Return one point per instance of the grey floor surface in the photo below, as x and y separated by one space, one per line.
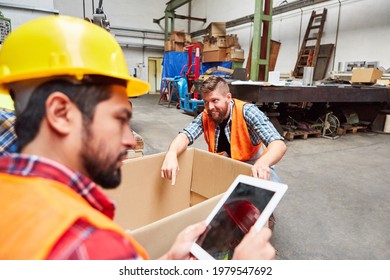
338 203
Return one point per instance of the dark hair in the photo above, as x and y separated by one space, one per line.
213 83
85 96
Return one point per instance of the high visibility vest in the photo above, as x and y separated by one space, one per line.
36 212
241 147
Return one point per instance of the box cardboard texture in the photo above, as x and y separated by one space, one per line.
365 75
154 211
217 29
214 56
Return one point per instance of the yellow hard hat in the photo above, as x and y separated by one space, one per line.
62 45
6 101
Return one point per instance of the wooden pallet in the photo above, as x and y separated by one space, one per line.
344 129
303 134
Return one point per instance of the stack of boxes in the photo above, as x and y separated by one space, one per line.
217 46
177 41
214 44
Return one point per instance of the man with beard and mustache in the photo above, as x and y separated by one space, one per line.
70 84
231 128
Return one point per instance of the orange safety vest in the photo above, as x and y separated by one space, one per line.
36 212
241 147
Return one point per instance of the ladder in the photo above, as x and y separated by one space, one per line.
311 43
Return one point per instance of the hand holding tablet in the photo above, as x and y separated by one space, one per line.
247 203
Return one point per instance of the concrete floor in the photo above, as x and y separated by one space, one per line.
338 202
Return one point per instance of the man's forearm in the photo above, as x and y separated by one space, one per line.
179 144
275 151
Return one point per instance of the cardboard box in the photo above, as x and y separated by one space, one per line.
134 154
383 82
220 41
365 75
213 56
208 46
179 47
157 238
169 46
214 43
236 54
187 38
154 211
232 41
178 36
225 70
217 29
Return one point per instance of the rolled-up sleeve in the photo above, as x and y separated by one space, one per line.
194 129
260 127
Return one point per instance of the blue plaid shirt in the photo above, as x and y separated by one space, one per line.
259 127
8 141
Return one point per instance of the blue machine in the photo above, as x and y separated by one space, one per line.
187 103
173 67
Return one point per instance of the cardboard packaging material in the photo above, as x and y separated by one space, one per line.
213 56
236 55
134 154
383 82
154 211
225 70
232 41
178 36
173 46
217 29
220 41
157 238
208 46
169 46
365 75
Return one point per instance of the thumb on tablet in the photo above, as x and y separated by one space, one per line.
255 246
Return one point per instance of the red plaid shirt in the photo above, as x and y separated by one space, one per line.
82 240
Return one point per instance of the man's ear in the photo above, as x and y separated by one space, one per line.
59 112
229 95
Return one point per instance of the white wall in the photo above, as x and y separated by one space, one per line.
363 32
20 11
364 27
130 14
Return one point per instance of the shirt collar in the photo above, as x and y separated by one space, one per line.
231 110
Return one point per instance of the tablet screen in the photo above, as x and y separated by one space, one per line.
234 219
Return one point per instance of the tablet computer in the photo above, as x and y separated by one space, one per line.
247 202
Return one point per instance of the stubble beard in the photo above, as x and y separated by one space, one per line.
97 163
221 115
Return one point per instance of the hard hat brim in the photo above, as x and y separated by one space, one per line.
136 87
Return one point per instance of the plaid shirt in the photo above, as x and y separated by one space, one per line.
8 142
259 127
82 240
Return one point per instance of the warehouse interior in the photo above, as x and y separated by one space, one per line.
328 99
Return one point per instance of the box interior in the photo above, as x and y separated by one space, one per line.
154 211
